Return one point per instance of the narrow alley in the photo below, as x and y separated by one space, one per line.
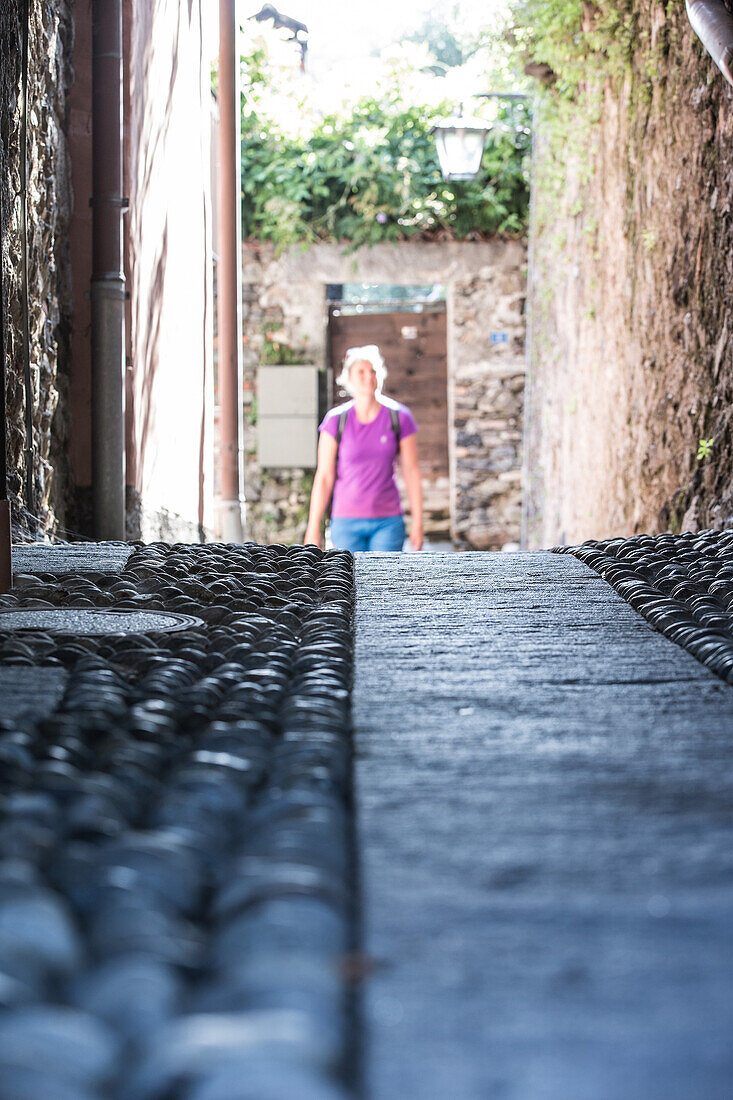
286 814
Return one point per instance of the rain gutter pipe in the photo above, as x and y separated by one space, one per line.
30 496
712 22
108 279
229 281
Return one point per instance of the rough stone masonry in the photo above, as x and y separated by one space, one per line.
49 291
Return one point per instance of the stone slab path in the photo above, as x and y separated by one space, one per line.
84 557
544 788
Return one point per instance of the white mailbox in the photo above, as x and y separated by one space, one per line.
287 416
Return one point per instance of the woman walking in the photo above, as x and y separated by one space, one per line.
359 443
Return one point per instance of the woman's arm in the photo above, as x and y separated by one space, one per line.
413 484
322 487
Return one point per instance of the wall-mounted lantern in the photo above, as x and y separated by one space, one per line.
460 144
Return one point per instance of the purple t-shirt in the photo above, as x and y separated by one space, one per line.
365 486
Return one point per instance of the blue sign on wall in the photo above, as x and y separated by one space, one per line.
499 337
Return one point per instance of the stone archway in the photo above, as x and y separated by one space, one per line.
485 288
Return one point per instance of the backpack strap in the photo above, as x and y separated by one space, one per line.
341 425
394 416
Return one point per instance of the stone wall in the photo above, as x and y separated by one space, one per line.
488 388
631 297
285 296
294 314
49 291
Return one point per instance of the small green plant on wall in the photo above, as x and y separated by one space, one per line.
704 449
275 351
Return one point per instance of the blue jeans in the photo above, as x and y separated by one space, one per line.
385 533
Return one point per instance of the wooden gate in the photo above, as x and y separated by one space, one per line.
414 349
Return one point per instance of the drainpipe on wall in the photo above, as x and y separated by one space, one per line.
30 494
229 282
108 279
713 25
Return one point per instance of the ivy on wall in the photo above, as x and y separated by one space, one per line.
371 173
569 43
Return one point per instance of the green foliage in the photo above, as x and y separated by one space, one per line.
579 40
275 352
704 449
371 173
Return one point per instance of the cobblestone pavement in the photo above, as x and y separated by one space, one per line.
176 908
545 828
683 584
545 799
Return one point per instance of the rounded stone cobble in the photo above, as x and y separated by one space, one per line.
682 584
175 850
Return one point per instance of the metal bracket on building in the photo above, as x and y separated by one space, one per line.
122 201
712 22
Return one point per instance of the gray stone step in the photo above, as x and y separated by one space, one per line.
544 802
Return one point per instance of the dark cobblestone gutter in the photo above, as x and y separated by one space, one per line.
176 886
682 584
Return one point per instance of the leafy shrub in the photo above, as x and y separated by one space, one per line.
372 174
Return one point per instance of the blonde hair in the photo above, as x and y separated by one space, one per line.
370 353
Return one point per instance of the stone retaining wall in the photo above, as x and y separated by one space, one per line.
631 296
49 290
285 296
488 387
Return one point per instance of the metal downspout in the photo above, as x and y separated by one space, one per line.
108 279
712 22
30 496
229 281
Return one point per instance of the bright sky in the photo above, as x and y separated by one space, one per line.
346 41
341 32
